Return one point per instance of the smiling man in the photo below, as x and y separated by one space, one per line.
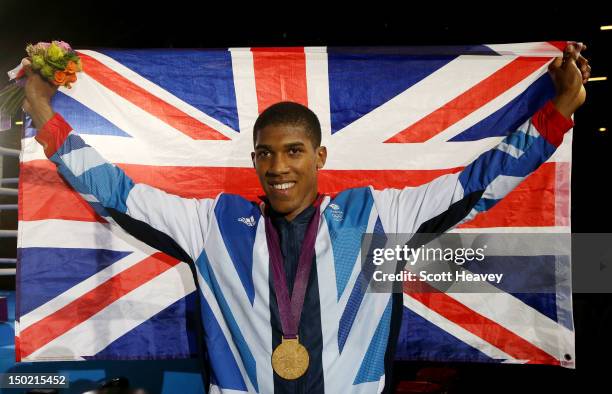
284 307
288 154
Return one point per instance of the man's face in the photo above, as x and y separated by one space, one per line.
286 163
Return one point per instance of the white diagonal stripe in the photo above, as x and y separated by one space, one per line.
154 142
415 103
489 108
160 92
455 330
78 290
524 321
121 316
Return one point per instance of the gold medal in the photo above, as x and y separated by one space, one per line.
290 359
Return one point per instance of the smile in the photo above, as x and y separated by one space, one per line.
284 186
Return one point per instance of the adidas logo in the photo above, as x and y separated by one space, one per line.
250 221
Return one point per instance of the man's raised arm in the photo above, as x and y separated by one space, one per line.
167 222
451 199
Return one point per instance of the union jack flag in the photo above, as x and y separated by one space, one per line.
181 121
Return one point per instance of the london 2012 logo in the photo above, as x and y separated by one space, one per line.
336 212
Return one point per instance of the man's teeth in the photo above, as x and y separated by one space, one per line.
284 186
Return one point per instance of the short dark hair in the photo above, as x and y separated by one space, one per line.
290 113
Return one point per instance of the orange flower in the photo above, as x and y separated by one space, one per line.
71 68
71 78
59 78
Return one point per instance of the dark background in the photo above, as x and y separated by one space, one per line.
178 24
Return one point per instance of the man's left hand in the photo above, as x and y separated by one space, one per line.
569 74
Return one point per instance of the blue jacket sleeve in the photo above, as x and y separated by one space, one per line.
138 208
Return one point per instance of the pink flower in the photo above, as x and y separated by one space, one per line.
64 45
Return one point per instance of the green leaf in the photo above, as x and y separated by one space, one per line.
59 65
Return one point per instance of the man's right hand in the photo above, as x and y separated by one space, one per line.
38 94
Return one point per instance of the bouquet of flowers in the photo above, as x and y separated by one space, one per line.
55 61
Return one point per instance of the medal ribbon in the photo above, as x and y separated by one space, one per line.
290 309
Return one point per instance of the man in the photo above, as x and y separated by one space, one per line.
283 306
